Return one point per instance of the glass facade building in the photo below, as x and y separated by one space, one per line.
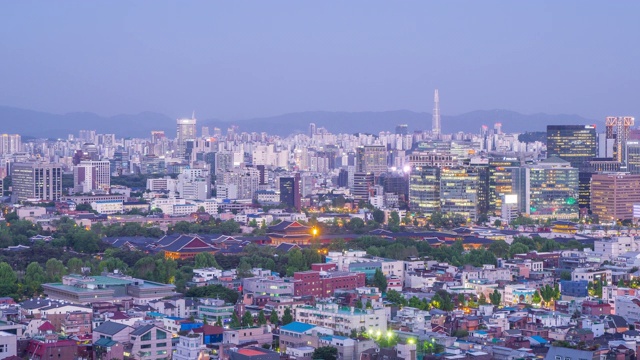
553 190
424 189
576 144
459 192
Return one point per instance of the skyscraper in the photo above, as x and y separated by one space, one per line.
36 181
371 159
573 143
10 143
312 129
435 122
424 189
290 191
186 131
459 192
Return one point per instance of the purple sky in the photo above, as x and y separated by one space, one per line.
237 59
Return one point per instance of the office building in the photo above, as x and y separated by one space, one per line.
290 191
576 144
186 131
371 159
36 181
362 186
633 156
424 189
89 176
459 192
613 195
553 190
505 177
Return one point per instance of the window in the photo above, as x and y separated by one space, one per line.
164 344
146 336
148 346
161 335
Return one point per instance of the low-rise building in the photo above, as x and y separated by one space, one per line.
343 319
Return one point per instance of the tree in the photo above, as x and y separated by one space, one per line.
244 269
482 300
380 281
75 265
287 317
358 304
235 322
7 275
206 260
261 318
497 223
34 277
273 318
396 298
621 283
565 275
325 353
230 296
499 248
247 319
495 297
55 270
536 297
378 216
8 279
518 248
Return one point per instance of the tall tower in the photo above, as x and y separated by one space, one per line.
186 131
435 122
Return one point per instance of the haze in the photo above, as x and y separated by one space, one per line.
235 59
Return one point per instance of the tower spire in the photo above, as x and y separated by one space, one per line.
435 122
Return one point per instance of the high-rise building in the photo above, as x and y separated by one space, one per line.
633 156
435 121
312 129
10 143
613 195
186 131
576 144
505 177
371 159
553 190
617 127
89 176
424 189
205 132
402 129
290 191
363 184
36 181
87 136
459 192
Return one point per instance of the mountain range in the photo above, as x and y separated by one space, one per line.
31 123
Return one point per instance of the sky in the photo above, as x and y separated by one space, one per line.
240 59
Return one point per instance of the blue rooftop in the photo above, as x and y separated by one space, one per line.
539 339
298 327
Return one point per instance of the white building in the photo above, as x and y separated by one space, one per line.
8 344
343 320
92 175
612 248
487 272
108 206
628 307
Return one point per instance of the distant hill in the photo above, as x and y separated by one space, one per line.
46 125
41 124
